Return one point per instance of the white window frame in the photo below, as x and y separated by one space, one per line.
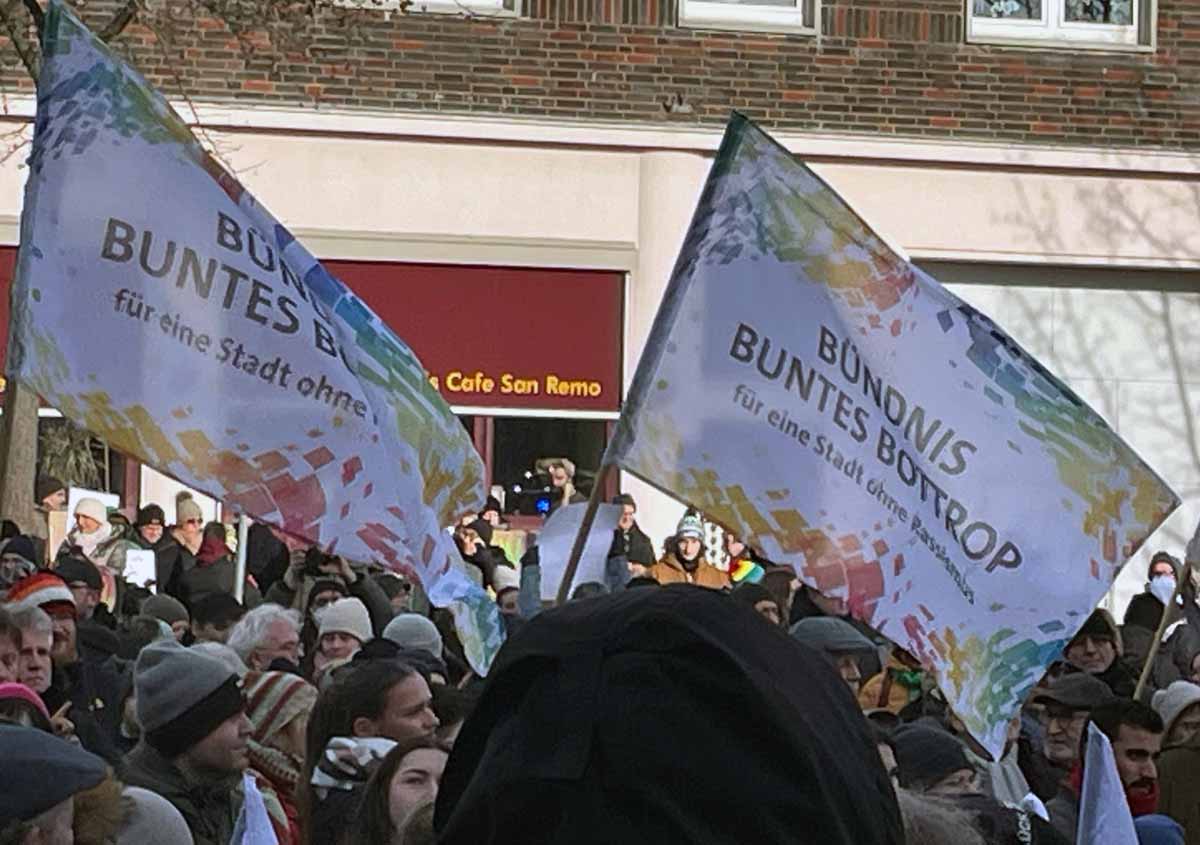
506 8
750 17
1053 28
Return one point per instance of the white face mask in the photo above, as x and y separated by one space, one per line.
1162 587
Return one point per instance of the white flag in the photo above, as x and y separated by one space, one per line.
1104 817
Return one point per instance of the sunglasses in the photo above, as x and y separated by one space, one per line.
192 521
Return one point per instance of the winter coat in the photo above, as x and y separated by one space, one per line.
215 571
670 571
108 557
210 808
94 689
171 559
633 545
1179 786
1003 779
1064 812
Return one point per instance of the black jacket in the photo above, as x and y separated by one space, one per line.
664 715
210 809
633 545
94 689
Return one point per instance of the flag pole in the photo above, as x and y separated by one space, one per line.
585 528
239 584
1158 635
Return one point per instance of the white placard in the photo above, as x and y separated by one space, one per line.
139 568
558 536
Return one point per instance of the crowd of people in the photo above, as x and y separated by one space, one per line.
323 702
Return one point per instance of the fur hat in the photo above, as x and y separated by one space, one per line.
93 509
345 616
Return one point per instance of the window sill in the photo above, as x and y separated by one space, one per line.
433 7
727 17
1059 44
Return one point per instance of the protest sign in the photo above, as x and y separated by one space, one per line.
838 409
140 569
1104 814
160 306
558 536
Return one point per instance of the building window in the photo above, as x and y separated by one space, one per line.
1092 24
456 7
764 15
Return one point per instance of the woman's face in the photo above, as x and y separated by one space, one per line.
689 548
415 783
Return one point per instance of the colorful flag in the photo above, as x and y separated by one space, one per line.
159 305
839 410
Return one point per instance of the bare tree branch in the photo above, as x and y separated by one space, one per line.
123 17
14 27
35 12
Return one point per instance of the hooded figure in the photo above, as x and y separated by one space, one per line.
1096 649
658 703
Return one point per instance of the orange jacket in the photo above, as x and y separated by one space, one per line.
670 571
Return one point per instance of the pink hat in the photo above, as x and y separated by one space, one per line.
24 693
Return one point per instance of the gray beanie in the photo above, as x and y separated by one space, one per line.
151 820
831 635
412 630
165 608
182 695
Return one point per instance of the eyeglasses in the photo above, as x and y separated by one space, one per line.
192 521
1062 715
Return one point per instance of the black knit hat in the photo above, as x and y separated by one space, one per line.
151 515
492 504
1097 627
46 486
925 755
76 570
220 609
752 594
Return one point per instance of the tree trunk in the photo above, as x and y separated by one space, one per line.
18 454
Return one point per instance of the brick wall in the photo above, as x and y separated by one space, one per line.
899 67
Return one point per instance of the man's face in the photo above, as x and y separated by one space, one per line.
222 752
1187 725
151 533
1091 654
1162 568
63 623
13 568
962 782
86 524
338 646
280 640
407 713
211 631
508 603
56 501
10 659
626 520
689 548
86 599
1064 727
769 610
847 666
558 477
34 663
1136 749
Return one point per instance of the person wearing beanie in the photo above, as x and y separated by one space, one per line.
171 611
492 512
631 552
932 761
213 617
840 641
474 541
150 819
50 493
1179 707
193 746
758 599
17 560
83 580
342 629
175 552
398 589
684 562
1156 829
561 472
414 631
1179 762
278 705
40 776
1096 649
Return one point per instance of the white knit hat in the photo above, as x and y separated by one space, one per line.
345 616
93 508
1172 701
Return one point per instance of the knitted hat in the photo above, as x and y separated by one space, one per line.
24 693
152 820
925 755
345 616
151 515
690 526
188 510
22 547
92 508
220 609
40 772
1099 626
505 578
75 570
182 696
830 634
1157 829
42 589
166 608
751 594
412 630
222 653
492 504
391 584
1172 701
47 485
274 699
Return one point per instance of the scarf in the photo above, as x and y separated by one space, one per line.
348 762
212 549
89 542
1140 803
279 767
